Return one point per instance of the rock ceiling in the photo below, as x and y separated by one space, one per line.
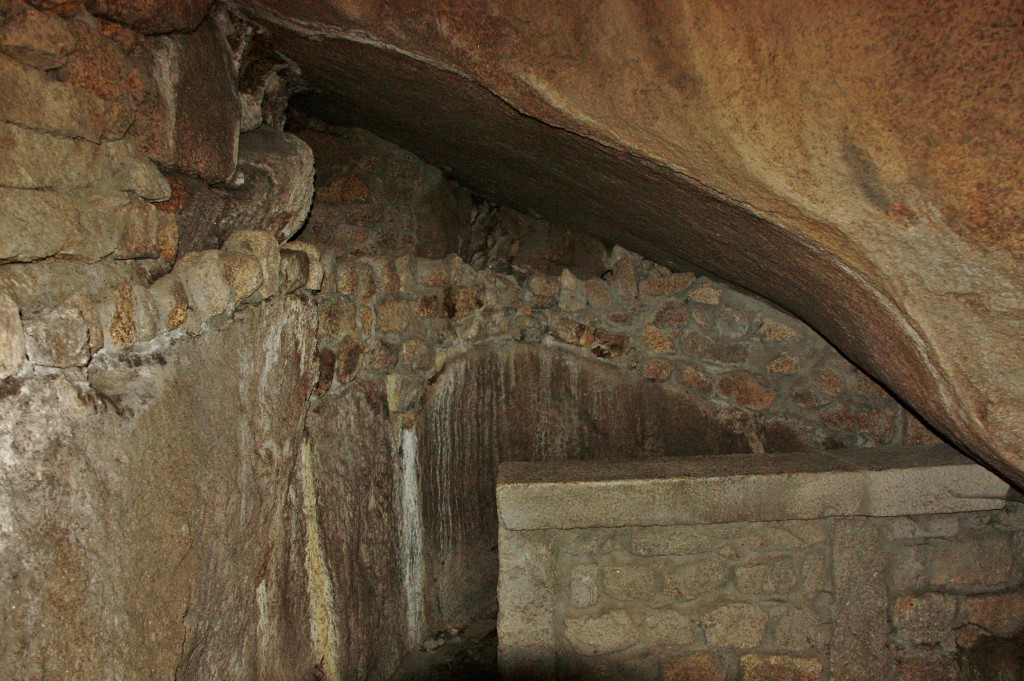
856 163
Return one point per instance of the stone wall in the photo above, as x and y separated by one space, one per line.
794 572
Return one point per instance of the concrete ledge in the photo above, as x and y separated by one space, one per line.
888 481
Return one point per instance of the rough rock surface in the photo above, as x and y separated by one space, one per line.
522 403
149 521
353 464
860 166
272 192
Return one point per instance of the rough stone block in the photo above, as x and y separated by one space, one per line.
128 315
629 582
739 625
666 285
263 247
962 562
798 629
337 316
12 338
32 99
57 338
758 667
207 111
294 270
153 16
696 578
924 620
700 667
393 314
36 39
316 270
603 634
669 628
860 642
999 614
774 575
171 300
202 274
243 274
525 588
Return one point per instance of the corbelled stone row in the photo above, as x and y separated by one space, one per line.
860 167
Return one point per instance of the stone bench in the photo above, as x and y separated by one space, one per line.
854 564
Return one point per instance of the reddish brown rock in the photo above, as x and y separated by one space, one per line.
153 16
38 39
747 390
857 165
190 117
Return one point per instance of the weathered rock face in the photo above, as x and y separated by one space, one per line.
150 524
521 403
861 167
353 464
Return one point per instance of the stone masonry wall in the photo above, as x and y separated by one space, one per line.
829 599
852 598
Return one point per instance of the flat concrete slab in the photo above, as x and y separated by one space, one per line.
887 481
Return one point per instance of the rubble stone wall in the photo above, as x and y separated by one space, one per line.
864 591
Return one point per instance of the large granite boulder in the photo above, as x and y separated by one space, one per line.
860 165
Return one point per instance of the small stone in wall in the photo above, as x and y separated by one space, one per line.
602 635
416 355
392 314
696 578
924 620
624 279
657 340
607 344
171 301
380 356
702 346
243 274
337 318
57 338
776 575
327 360
542 291
672 313
598 293
428 306
798 629
699 667
779 668
628 583
746 390
12 338
294 270
785 364
731 324
263 247
706 294
462 301
202 274
695 378
999 614
666 285
664 627
772 330
657 370
571 297
348 353
739 625
830 382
